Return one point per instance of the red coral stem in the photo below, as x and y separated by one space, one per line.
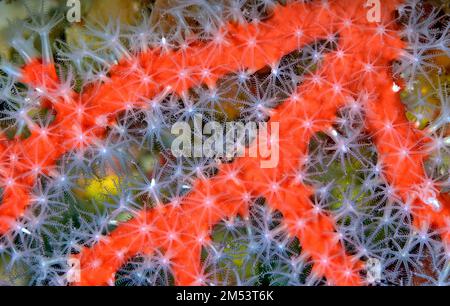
181 229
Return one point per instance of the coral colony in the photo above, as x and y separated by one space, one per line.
344 178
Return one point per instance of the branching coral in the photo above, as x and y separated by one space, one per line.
355 73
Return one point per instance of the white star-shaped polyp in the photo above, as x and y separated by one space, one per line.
95 263
243 76
251 42
201 239
404 152
316 79
299 177
246 197
144 228
388 126
340 54
343 147
337 88
80 110
13 157
165 261
205 72
182 74
172 236
325 261
219 38
37 169
317 210
208 202
381 29
231 175
101 121
152 183
10 182
347 23
120 253
368 67
316 56
200 279
43 132
146 79
307 124
298 33
300 224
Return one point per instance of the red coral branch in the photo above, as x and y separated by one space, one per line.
181 229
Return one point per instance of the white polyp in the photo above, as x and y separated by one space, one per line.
298 33
447 140
10 182
152 183
434 203
47 55
395 87
251 42
101 121
11 70
333 133
24 230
